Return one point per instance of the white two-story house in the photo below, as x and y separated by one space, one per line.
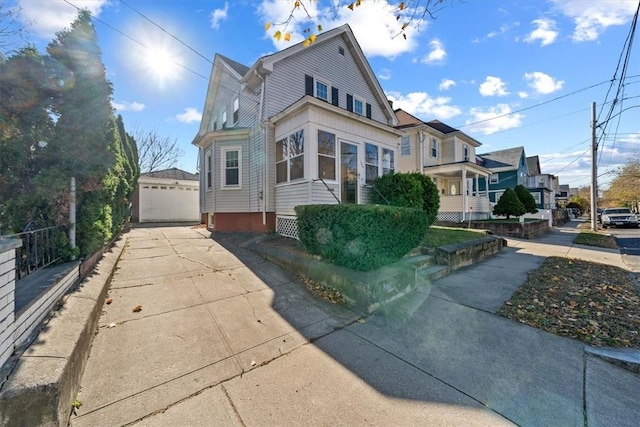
448 156
306 125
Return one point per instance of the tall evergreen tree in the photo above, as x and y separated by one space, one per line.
509 204
526 198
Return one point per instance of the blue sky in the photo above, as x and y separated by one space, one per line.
476 60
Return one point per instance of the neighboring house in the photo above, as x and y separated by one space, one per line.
169 195
541 186
508 169
306 125
448 156
562 197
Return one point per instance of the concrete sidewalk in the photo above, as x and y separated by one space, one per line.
225 338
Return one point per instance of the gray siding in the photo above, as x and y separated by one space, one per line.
292 195
287 84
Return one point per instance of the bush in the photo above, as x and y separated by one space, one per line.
526 198
361 237
411 190
509 205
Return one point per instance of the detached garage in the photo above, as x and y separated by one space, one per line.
170 195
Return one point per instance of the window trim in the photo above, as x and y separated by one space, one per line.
434 148
287 159
497 180
466 152
223 119
378 164
392 160
223 172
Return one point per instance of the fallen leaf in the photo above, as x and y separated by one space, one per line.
111 325
137 309
253 363
361 320
108 301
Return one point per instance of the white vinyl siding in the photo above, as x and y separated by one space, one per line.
286 84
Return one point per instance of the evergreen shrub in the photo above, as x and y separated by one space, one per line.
411 190
360 237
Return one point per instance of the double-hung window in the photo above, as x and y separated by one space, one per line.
405 146
358 106
493 179
388 163
434 148
223 119
231 167
322 90
371 162
326 155
209 171
236 111
290 157
465 152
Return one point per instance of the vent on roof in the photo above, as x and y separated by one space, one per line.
341 50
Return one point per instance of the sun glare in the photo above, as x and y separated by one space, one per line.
162 65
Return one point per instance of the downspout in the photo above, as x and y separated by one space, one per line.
265 149
421 160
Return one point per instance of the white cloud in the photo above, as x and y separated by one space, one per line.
523 94
504 28
437 53
49 17
190 115
493 119
543 83
493 86
219 15
422 105
384 74
128 106
592 18
373 23
545 32
446 84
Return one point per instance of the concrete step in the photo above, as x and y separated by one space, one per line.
421 262
433 272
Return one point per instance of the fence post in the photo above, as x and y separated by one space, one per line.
8 249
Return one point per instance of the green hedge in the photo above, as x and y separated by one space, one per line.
361 237
411 190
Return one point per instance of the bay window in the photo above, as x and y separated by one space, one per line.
290 158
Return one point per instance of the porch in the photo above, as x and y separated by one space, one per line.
462 208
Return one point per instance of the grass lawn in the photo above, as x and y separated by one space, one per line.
595 239
443 236
595 303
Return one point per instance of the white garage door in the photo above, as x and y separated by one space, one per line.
164 203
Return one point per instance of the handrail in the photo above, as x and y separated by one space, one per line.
376 190
329 189
40 248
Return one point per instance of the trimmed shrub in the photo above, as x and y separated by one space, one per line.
411 190
509 205
526 198
360 237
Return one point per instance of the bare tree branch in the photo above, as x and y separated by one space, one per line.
13 32
156 152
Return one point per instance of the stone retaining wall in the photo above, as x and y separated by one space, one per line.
466 253
520 230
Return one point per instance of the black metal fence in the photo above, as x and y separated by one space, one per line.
40 248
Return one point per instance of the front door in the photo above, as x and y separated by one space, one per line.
348 172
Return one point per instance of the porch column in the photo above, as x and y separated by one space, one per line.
486 186
464 193
477 187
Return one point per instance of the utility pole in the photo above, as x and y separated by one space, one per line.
594 170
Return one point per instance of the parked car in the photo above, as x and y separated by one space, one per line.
619 217
575 212
599 214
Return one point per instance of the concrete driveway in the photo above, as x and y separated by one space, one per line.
225 338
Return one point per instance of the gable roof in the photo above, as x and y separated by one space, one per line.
406 120
236 66
173 173
502 160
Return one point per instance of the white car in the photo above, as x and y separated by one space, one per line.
619 217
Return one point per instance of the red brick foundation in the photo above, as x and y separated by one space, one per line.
243 221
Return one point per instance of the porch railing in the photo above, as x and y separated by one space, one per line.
329 189
376 190
40 248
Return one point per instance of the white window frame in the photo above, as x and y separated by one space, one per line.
377 165
391 166
357 99
497 178
223 172
236 111
498 195
321 81
288 158
466 152
405 146
434 148
328 156
536 197
209 170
